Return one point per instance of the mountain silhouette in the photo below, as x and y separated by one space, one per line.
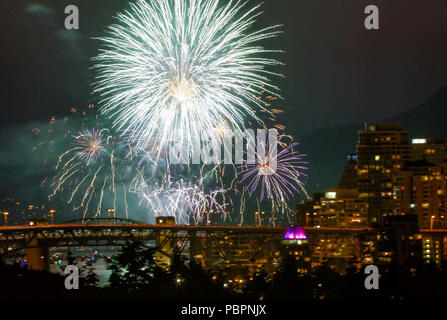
327 148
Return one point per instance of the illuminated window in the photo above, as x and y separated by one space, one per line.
331 195
419 141
363 195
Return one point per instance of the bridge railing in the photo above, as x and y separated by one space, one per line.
88 221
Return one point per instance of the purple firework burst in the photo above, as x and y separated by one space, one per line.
278 178
91 143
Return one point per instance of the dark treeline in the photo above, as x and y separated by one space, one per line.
135 275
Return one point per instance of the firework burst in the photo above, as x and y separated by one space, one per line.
278 178
88 173
187 202
173 70
91 144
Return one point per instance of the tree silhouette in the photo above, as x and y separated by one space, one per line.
133 268
289 284
90 278
258 287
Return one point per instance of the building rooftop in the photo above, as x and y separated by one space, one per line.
383 126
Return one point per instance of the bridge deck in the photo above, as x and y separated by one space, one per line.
170 227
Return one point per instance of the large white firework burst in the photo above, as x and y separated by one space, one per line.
173 70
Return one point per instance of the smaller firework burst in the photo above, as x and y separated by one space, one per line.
91 144
92 173
278 178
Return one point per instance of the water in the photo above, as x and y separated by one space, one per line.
98 256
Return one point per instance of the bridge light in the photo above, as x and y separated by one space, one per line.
5 215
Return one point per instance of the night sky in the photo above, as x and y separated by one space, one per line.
336 71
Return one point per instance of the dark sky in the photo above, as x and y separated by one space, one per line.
336 71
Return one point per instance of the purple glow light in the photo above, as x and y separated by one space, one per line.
295 232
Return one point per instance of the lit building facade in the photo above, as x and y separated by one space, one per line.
433 248
307 211
341 208
296 244
421 190
398 241
382 150
349 177
425 149
392 184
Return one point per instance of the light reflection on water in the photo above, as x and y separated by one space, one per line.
81 255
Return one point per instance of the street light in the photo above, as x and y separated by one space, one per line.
109 212
52 212
433 218
257 219
5 214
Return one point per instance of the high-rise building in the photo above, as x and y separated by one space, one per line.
349 177
340 208
382 150
421 189
306 211
343 208
426 149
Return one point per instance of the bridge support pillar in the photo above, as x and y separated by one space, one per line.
164 245
37 255
208 249
192 245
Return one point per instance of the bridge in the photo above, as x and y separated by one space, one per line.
229 246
